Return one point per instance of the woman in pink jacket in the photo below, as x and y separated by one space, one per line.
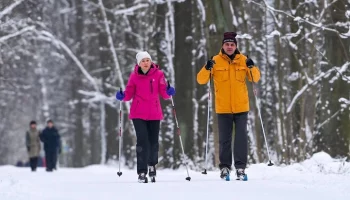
145 85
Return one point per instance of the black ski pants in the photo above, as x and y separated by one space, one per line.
225 122
147 143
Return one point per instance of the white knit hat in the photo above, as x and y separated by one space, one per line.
141 55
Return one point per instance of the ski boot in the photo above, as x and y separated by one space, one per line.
241 175
143 178
152 173
225 174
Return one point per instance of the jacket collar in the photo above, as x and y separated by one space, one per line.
225 56
152 69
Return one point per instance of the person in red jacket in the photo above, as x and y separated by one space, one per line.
144 86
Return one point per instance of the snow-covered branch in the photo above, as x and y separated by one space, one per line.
201 9
314 81
345 103
112 48
170 42
8 9
20 32
299 19
49 37
341 71
131 9
96 97
125 11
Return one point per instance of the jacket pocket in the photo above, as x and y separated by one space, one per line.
221 74
240 74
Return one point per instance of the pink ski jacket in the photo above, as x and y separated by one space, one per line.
144 90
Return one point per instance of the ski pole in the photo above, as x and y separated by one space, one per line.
179 133
120 133
208 119
261 122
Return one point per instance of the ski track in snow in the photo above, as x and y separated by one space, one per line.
102 182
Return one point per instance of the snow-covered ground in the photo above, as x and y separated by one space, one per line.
320 177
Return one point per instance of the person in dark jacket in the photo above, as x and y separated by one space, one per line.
33 145
52 145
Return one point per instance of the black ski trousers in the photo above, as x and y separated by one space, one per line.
147 143
225 122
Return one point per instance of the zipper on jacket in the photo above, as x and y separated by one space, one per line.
151 85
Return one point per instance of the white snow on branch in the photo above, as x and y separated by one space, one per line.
111 44
347 14
167 1
344 102
273 10
245 36
298 19
340 71
49 37
201 9
8 9
318 78
95 96
128 10
112 48
273 33
294 76
20 32
346 35
212 28
292 35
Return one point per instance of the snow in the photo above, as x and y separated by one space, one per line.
320 177
201 9
297 19
22 31
131 10
8 9
273 33
212 28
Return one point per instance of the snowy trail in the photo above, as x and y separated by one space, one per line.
101 182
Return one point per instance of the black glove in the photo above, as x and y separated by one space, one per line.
249 62
210 64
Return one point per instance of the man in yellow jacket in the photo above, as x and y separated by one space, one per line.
229 70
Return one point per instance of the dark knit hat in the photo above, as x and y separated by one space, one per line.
32 122
230 37
49 121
